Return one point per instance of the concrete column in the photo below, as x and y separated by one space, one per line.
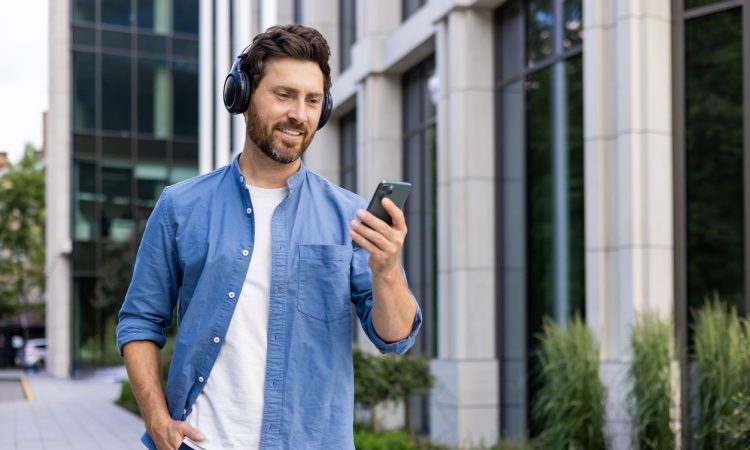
58 196
628 182
207 106
465 400
222 140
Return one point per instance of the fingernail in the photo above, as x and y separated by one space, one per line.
200 436
360 213
353 223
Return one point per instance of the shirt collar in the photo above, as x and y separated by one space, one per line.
292 182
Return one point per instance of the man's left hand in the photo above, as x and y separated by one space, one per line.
382 242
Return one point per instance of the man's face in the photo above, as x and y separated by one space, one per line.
285 108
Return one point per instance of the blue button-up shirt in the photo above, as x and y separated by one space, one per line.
191 258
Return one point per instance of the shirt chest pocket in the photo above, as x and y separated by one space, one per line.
324 285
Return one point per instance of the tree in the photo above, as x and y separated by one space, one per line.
22 221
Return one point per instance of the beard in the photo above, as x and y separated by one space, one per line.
277 148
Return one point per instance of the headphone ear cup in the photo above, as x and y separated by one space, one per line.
237 90
325 112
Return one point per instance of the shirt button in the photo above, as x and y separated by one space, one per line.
184 411
249 210
200 379
242 179
216 340
231 294
245 252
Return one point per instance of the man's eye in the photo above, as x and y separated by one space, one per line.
282 95
313 101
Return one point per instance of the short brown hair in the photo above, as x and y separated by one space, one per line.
287 41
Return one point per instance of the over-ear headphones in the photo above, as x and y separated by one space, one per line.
238 87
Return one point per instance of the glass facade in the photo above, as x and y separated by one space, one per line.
539 104
134 130
712 164
347 31
420 248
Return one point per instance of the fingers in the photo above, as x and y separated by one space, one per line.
373 239
190 432
397 216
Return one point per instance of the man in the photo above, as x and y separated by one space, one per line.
258 259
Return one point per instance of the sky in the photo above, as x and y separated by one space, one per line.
24 68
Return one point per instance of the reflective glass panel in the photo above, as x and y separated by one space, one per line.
84 11
84 256
185 152
116 148
713 151
84 93
156 15
347 31
154 45
154 97
348 152
152 149
117 216
84 146
151 179
540 22
539 147
115 92
185 99
84 36
185 48
115 40
574 141
186 17
573 23
116 12
84 200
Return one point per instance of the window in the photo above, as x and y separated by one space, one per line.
185 99
84 11
347 31
711 92
116 12
420 254
539 104
84 95
115 92
348 152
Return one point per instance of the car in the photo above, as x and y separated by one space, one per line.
33 354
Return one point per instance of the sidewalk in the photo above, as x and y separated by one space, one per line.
67 415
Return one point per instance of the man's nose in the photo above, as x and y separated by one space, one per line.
298 112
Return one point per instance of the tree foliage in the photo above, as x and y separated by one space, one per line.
388 378
22 221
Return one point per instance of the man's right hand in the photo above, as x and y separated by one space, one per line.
168 435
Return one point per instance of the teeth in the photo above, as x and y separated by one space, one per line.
292 132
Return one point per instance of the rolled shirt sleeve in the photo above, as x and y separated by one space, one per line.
153 291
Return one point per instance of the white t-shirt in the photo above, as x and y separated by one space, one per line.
229 409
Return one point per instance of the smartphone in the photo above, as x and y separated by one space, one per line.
397 191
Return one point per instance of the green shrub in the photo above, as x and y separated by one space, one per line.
570 403
384 378
722 360
651 391
382 440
